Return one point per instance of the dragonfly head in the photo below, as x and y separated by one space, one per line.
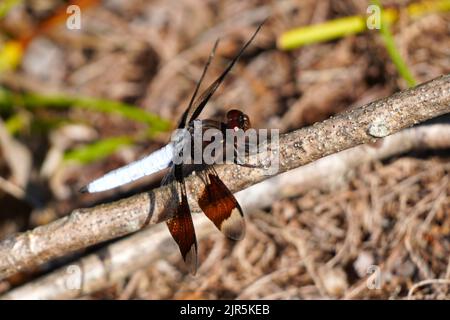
237 120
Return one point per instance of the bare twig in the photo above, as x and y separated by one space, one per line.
333 171
96 271
86 227
146 247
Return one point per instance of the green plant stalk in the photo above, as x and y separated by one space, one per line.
416 10
342 27
10 55
32 101
101 105
90 152
15 123
97 150
6 6
6 100
394 54
319 33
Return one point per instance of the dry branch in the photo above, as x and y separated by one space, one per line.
109 265
84 227
330 172
122 258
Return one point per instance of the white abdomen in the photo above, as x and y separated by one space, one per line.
154 162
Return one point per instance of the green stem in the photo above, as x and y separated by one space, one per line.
389 42
32 101
6 6
97 150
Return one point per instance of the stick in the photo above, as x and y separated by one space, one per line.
85 227
124 257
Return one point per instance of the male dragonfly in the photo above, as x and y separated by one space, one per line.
216 201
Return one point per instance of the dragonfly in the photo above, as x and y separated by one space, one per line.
216 201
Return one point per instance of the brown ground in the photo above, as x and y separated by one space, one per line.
393 216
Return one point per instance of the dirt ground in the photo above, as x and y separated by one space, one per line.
390 219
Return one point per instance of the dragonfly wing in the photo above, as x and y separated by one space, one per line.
182 230
197 107
180 225
221 207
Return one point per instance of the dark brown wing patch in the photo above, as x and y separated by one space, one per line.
182 230
222 208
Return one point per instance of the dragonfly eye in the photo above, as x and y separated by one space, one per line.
237 120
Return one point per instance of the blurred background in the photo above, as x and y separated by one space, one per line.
77 101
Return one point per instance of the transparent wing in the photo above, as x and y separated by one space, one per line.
200 103
184 117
